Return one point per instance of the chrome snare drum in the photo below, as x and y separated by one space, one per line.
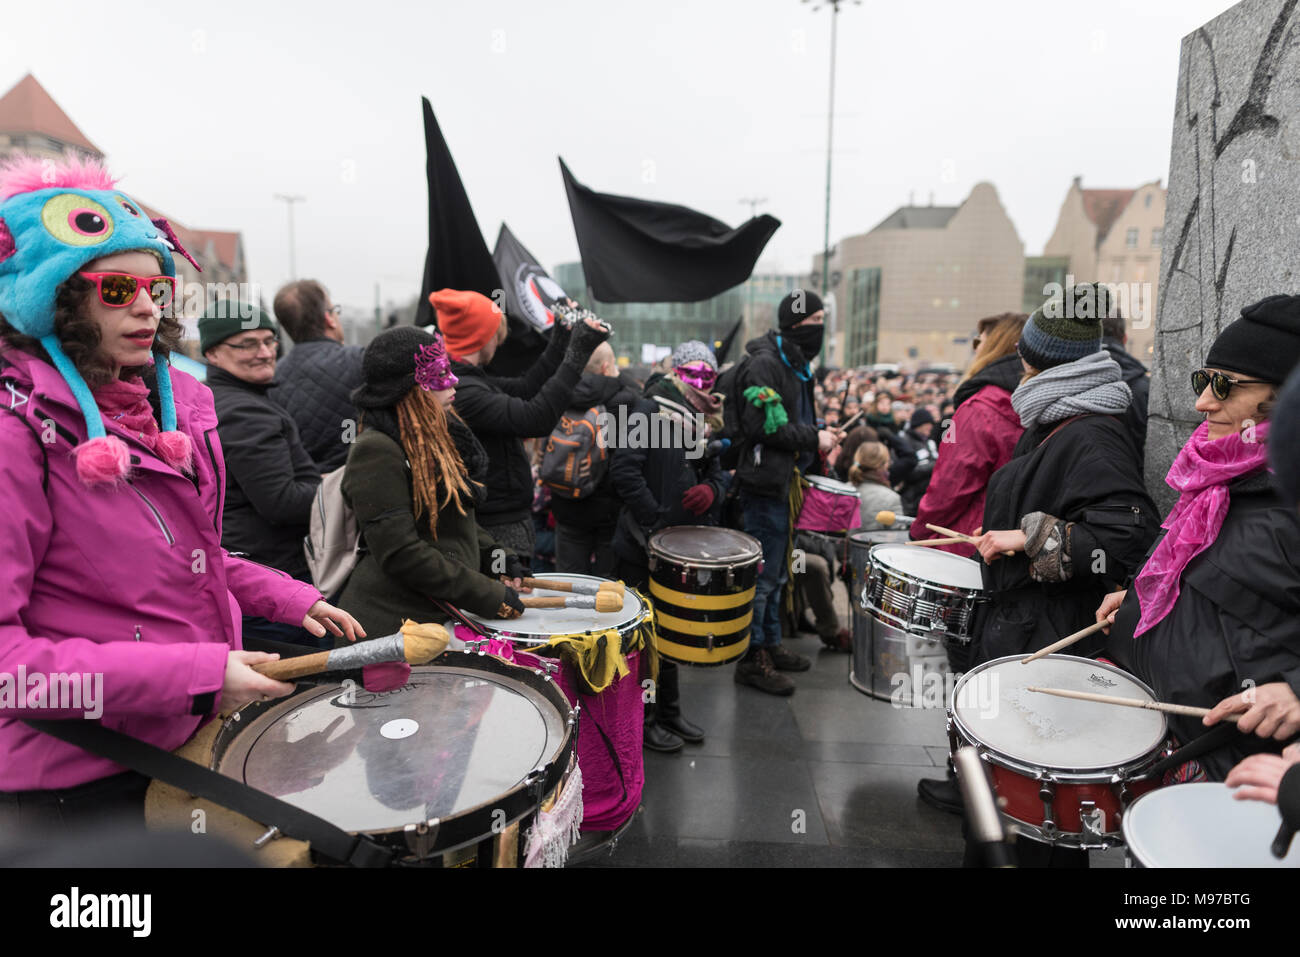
1065 770
438 770
702 581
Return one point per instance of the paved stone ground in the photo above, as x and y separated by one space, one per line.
826 777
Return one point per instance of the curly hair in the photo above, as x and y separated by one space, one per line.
79 334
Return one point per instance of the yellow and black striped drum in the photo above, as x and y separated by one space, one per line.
702 582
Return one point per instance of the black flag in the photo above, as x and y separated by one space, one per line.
634 250
458 257
530 292
724 346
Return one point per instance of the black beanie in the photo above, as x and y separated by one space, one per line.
920 417
1284 441
1263 343
388 367
797 306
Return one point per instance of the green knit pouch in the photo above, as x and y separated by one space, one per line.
765 397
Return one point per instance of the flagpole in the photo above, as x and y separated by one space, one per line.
289 201
753 202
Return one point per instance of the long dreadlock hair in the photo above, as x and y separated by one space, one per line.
422 425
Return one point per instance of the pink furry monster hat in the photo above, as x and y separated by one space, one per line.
55 218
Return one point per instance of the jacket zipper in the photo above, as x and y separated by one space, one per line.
137 632
162 526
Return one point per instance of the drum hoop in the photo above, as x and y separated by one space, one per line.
1060 774
681 561
464 827
821 483
961 590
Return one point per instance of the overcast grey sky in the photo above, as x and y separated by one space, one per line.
211 109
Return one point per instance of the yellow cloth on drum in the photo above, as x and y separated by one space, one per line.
797 485
599 658
168 808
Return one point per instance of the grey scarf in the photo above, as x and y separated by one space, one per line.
1093 384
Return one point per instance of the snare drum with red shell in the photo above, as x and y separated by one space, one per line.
1065 770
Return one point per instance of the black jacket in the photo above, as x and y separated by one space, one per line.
502 412
1135 374
651 481
910 471
1088 473
1005 373
1236 620
603 505
270 479
766 461
314 383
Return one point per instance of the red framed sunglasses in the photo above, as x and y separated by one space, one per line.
119 289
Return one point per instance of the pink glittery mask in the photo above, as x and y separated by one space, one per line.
433 368
697 375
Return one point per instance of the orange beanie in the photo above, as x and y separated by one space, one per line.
467 320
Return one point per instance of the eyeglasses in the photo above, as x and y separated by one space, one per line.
252 345
336 311
119 289
1220 383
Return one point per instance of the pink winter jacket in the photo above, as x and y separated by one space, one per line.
127 582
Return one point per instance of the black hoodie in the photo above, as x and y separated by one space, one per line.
601 507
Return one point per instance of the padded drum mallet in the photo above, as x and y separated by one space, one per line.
578 588
606 601
414 644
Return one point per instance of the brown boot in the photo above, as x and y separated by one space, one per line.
756 669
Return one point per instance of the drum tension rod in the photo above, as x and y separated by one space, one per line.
267 838
1046 794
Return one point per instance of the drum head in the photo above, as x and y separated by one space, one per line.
881 536
832 485
926 564
706 546
1203 825
542 624
454 738
992 705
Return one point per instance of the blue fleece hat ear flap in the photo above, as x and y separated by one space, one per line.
103 458
167 405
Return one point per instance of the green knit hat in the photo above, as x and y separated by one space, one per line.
1064 329
229 317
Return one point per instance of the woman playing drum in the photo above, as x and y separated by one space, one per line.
1211 619
115 584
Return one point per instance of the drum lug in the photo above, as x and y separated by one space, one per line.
709 642
421 837
685 573
731 576
1089 816
1046 794
654 563
267 838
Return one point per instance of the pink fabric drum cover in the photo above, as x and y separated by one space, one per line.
829 506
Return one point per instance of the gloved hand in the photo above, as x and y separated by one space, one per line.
584 342
385 676
511 607
515 568
698 499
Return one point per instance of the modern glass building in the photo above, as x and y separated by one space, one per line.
1040 273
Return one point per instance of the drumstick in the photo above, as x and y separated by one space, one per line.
968 539
1166 707
845 426
581 588
1067 641
606 601
414 644
939 541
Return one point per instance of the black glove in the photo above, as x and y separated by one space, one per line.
515 568
583 344
511 606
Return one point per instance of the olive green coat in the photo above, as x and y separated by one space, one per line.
404 566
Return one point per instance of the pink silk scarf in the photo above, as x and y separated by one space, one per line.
126 402
1201 474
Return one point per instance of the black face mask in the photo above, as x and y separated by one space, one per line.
807 338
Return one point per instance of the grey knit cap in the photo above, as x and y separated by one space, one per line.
694 351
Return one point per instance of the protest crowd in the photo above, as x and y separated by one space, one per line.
166 533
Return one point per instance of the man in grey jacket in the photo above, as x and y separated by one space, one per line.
315 381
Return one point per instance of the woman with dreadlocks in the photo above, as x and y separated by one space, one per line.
411 481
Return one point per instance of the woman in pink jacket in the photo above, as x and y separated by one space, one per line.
117 601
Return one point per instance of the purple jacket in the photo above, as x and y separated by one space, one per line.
130 582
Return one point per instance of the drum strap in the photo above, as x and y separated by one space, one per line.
325 838
1209 741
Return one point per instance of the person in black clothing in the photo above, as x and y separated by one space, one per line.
270 479
663 487
504 411
910 473
584 528
1070 506
1114 340
316 379
1211 618
777 436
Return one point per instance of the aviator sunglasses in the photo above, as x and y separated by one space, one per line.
119 289
1220 383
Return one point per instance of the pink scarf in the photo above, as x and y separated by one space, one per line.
1201 473
126 402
